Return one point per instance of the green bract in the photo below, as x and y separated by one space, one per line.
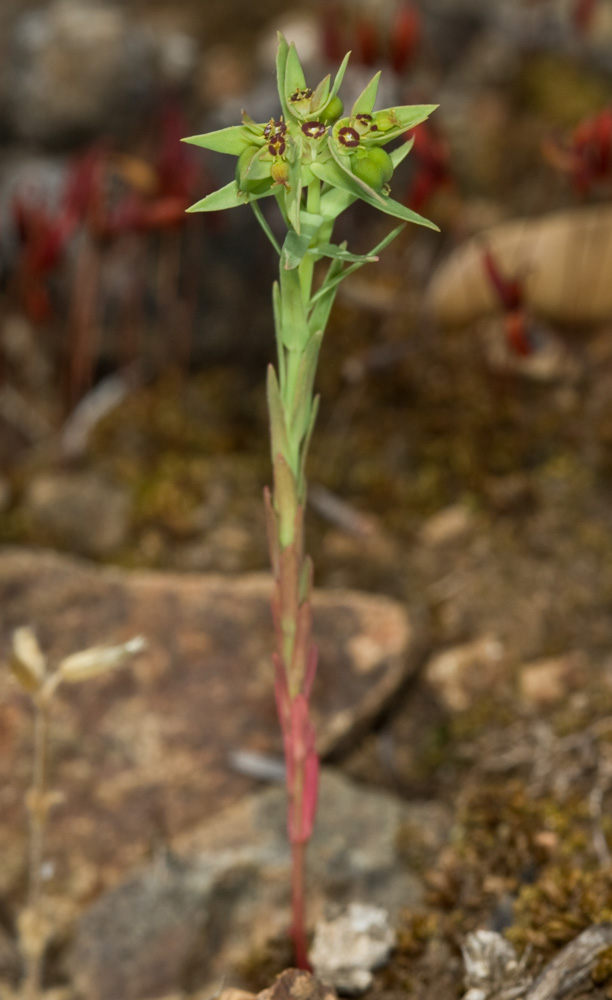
309 142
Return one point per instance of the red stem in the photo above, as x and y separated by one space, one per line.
298 932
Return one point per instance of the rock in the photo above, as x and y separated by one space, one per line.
5 494
202 910
491 965
294 984
74 67
512 493
550 360
10 959
453 524
536 252
461 674
78 511
144 754
349 944
546 682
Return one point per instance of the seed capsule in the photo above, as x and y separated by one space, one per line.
374 166
280 172
333 111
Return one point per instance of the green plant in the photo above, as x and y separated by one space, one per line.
315 163
29 667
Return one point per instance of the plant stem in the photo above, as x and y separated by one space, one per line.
298 931
34 946
296 655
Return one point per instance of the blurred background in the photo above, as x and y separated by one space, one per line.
465 378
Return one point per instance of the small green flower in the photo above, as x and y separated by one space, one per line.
308 141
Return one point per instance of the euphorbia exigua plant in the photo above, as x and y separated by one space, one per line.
315 162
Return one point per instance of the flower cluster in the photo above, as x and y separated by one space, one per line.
311 140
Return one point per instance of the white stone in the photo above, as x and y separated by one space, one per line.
351 943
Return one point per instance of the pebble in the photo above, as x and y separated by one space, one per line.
75 67
349 944
463 673
79 511
543 683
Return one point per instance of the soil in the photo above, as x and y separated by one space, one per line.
416 420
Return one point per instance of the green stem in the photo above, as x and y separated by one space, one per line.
306 268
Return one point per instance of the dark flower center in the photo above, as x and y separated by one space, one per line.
367 121
277 146
348 137
275 130
301 95
314 130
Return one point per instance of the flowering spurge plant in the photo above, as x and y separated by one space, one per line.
315 162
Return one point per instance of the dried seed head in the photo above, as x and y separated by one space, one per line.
97 660
27 662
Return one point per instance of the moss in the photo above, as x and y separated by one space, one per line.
560 90
565 900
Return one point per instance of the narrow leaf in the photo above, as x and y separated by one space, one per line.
331 250
278 320
332 280
367 98
310 223
323 300
334 202
281 68
225 140
292 193
302 392
320 94
307 438
401 152
339 77
294 249
257 212
229 196
294 330
407 117
278 426
285 500
294 74
340 178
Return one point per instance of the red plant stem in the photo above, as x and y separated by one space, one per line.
298 931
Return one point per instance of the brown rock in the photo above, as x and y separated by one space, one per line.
448 526
294 984
79 511
547 682
463 673
142 754
200 913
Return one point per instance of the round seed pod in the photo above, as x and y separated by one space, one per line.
374 166
333 111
